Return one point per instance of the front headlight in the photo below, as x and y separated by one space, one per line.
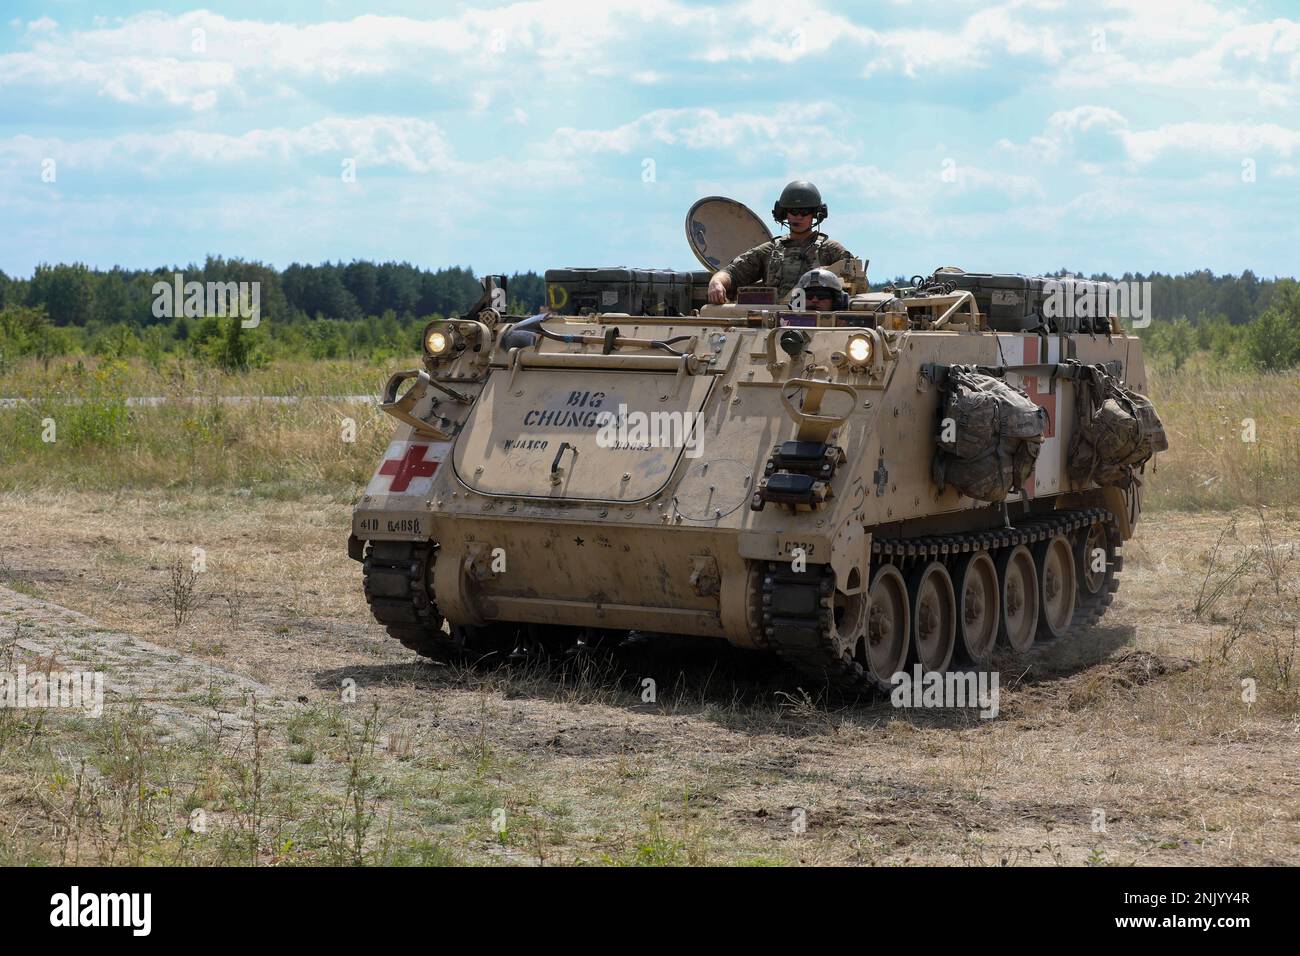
446 341
860 349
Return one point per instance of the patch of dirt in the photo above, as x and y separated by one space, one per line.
1139 722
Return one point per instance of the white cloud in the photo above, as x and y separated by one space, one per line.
797 132
866 182
1110 200
1066 131
267 161
983 40
414 145
1224 139
776 30
491 55
1192 46
1156 122
1082 134
1166 21
779 31
127 79
924 191
150 57
974 179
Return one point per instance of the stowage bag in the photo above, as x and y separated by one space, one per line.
989 436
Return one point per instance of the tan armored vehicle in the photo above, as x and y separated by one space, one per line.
914 477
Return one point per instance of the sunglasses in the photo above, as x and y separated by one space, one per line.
799 212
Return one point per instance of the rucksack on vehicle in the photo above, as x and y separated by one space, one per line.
994 440
1117 430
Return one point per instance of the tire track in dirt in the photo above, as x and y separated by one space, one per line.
183 693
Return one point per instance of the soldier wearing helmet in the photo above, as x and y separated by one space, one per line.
823 291
780 262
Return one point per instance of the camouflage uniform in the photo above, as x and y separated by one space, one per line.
780 262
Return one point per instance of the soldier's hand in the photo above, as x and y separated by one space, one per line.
717 292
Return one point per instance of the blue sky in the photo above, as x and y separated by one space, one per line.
1019 136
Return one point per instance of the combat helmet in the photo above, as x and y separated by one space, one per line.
800 194
827 283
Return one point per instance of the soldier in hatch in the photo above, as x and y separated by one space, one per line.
823 291
780 262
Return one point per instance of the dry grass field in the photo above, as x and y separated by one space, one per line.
264 447
1234 439
256 714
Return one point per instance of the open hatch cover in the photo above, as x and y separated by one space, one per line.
719 229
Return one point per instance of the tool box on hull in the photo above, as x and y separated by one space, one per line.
572 291
1019 303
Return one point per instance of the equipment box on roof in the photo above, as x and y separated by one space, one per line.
669 294
1017 303
700 288
574 291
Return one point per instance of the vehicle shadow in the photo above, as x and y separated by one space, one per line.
745 690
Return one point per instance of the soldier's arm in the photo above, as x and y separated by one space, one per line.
832 252
719 286
745 269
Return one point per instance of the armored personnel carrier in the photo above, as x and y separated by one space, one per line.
916 477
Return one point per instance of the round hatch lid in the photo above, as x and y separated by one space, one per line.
719 229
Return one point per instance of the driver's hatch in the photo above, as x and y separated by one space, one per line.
580 434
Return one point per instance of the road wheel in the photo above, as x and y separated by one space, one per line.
978 607
1018 587
1096 562
1054 562
883 651
934 616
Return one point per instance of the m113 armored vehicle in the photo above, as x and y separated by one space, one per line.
916 477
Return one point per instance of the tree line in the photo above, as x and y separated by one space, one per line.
363 309
358 309
1244 321
75 295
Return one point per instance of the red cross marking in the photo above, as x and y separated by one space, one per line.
410 465
1043 399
